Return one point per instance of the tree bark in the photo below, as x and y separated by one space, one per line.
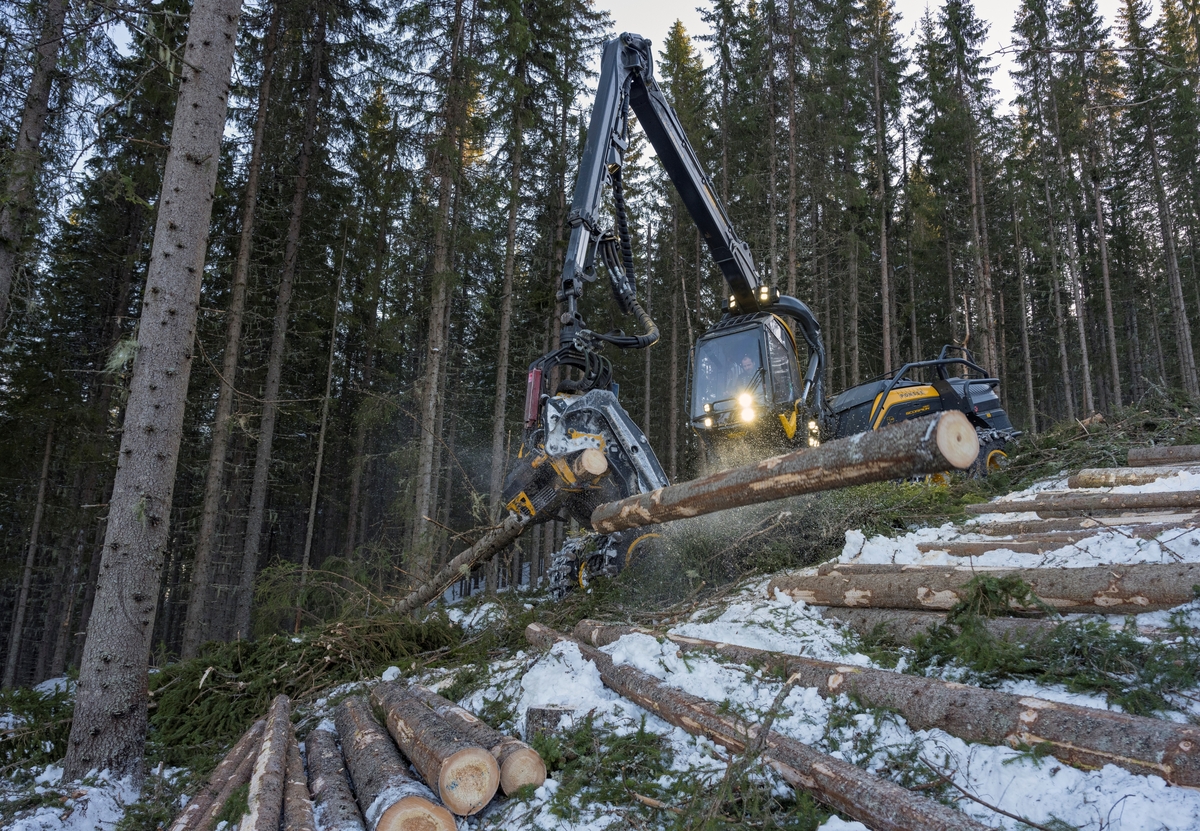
275 354
25 162
1026 360
196 626
881 171
1108 590
1102 241
232 772
328 783
109 726
390 798
545 721
488 546
462 773
1082 523
297 802
1090 502
1108 477
267 784
903 625
1169 455
18 623
1035 542
792 115
852 313
1077 735
933 444
520 764
877 803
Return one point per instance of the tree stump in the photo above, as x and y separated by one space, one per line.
264 804
464 774
333 799
390 798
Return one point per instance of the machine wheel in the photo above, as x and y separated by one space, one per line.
991 459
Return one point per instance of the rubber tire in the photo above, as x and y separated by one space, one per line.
991 458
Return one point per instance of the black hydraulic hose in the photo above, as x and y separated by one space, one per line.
623 226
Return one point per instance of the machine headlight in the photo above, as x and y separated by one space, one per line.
707 420
748 414
745 402
708 408
812 426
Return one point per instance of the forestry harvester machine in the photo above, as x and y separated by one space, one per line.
580 448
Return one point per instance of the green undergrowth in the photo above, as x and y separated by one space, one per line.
41 724
1087 657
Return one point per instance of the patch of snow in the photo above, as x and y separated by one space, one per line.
391 674
96 803
53 685
480 617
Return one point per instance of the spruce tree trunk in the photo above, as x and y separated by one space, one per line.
196 627
58 662
109 725
1026 360
881 169
791 67
18 623
278 348
25 162
673 406
855 369
1102 241
1059 322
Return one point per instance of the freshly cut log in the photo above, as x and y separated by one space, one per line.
297 802
1080 736
1032 543
934 444
520 764
1174 454
877 803
265 800
463 774
231 773
836 569
390 798
545 720
1086 502
489 545
903 625
1080 523
1108 477
327 781
1114 590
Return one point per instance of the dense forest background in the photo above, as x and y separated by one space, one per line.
390 223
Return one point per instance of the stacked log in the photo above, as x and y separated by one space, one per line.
520 764
1119 589
297 801
231 773
1089 503
265 801
463 774
390 798
1175 454
1109 477
1083 523
1080 736
904 625
334 801
878 803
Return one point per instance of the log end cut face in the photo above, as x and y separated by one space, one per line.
522 767
957 439
415 813
468 780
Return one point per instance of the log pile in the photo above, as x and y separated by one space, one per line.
1080 736
878 803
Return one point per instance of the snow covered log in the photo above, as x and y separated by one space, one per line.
1081 736
231 773
297 801
1112 590
1108 477
1083 523
1140 456
462 773
333 799
519 763
1088 502
876 802
390 798
265 800
934 444
1034 543
903 625
489 545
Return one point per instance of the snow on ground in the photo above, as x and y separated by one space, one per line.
98 803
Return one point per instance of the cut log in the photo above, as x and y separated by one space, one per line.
546 720
1142 456
1079 523
334 801
1035 543
390 798
903 625
491 544
231 773
1112 590
297 801
1108 477
842 569
462 773
520 764
934 444
1080 736
1088 502
264 803
876 802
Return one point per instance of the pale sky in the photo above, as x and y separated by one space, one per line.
653 19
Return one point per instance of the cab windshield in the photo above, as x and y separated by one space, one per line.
727 367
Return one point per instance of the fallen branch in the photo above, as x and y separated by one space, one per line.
943 777
1080 736
876 802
